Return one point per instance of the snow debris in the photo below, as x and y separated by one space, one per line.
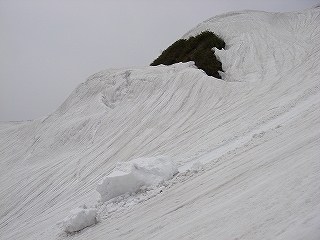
196 166
129 177
79 219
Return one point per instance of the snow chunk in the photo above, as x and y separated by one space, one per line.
131 176
196 166
79 219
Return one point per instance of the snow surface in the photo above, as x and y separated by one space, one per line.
247 146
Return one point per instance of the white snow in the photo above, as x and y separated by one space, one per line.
246 147
79 219
129 177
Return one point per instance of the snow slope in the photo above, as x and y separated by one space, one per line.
247 147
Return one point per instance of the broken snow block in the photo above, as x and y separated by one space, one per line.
79 219
129 177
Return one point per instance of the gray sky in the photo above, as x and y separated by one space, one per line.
49 47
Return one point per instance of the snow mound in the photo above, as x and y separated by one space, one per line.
79 219
131 176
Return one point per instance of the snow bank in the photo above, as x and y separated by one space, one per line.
131 176
79 219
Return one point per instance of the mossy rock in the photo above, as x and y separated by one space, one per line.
197 49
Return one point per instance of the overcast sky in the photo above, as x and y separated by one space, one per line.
49 47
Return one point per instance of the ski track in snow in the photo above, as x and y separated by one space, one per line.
247 147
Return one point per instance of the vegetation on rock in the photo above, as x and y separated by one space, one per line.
198 49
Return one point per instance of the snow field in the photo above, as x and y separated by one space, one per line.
250 140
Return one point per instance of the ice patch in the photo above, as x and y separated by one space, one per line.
131 176
79 219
